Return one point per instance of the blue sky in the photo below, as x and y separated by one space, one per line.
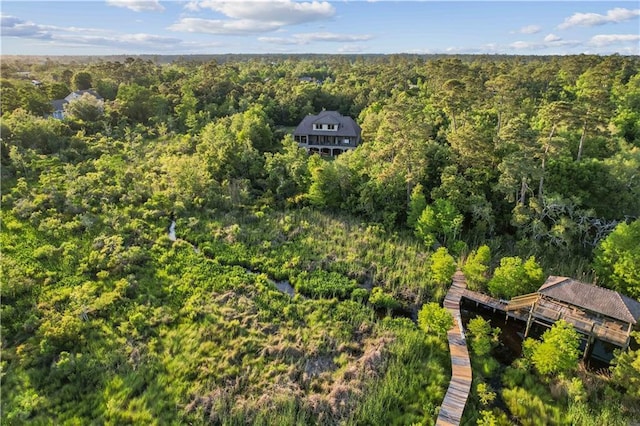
295 26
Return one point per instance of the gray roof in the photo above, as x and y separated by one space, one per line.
591 297
346 125
58 104
79 93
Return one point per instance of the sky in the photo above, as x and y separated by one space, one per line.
114 27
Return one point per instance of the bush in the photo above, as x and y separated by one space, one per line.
322 284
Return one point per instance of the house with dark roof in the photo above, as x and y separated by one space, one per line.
328 133
58 104
600 315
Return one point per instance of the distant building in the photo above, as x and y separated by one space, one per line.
58 104
328 133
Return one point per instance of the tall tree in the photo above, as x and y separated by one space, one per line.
514 277
520 164
417 204
87 108
287 171
476 267
82 80
617 259
442 266
625 368
593 103
551 118
138 104
558 352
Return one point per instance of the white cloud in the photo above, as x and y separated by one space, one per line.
592 19
550 41
607 39
351 48
137 5
145 42
286 12
92 37
253 16
530 29
549 38
12 26
217 26
306 38
522 45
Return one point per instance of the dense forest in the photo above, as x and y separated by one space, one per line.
299 289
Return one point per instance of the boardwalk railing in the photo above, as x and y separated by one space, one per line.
456 397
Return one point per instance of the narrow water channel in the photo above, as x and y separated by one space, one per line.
512 330
172 231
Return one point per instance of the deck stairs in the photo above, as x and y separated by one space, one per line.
524 301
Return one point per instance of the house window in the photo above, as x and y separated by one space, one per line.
331 126
303 139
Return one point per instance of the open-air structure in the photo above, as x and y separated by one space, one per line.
595 312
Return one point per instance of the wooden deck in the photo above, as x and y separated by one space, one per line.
456 397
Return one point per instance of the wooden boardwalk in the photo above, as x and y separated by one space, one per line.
495 304
460 384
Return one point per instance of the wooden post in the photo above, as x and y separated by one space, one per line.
590 340
529 320
626 344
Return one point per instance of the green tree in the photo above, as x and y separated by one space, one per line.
28 131
476 266
593 104
228 155
417 204
57 90
519 167
558 351
439 221
483 338
138 104
325 187
485 393
442 266
86 108
625 368
188 180
287 171
514 277
82 80
9 99
432 318
253 125
627 120
187 111
427 226
617 259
